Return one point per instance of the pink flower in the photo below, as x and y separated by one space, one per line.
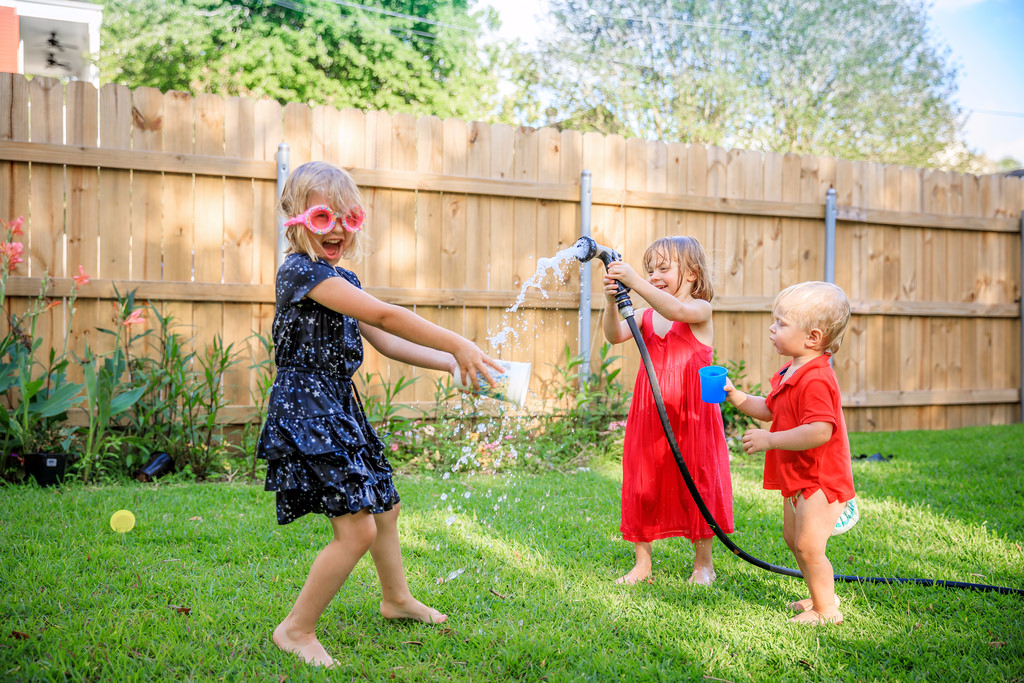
135 318
394 447
82 278
15 227
12 252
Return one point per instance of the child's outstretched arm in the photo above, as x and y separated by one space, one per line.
754 406
342 296
404 351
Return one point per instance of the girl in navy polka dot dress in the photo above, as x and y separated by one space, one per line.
322 455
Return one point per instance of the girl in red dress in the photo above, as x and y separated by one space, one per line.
678 333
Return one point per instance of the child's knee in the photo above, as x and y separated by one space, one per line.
358 530
807 547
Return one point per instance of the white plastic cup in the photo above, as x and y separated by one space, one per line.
511 385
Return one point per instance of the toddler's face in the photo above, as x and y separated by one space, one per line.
787 335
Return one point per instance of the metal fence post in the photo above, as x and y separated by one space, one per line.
282 177
584 313
830 235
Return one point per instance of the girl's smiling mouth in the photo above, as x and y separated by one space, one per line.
332 249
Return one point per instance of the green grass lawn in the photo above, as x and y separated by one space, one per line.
524 566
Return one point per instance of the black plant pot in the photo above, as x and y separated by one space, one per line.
158 465
47 468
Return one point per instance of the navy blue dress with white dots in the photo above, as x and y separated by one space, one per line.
322 454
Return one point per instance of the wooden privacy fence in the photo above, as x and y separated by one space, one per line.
172 196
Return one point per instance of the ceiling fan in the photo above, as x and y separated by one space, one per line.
54 43
53 63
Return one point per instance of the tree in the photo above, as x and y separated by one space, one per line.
858 79
416 56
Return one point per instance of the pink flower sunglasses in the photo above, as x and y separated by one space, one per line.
320 219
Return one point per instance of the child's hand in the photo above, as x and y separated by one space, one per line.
472 364
611 287
756 440
622 272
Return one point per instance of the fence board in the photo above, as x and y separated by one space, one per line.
850 263
44 227
13 127
524 247
267 137
238 249
82 203
454 256
502 267
179 201
634 234
570 172
208 240
478 237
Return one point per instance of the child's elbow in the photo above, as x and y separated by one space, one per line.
821 433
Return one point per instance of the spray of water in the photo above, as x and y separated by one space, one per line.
554 265
491 445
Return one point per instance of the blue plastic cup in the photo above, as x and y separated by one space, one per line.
712 383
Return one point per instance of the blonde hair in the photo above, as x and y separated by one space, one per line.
687 252
342 194
817 305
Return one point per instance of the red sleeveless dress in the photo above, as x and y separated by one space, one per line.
655 501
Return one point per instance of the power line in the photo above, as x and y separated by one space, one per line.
994 112
378 10
426 35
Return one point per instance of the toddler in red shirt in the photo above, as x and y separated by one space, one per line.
807 450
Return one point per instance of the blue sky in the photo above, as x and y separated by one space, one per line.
986 38
987 42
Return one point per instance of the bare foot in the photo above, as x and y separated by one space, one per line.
815 618
806 604
411 609
702 576
305 645
635 576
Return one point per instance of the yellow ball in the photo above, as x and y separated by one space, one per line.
122 521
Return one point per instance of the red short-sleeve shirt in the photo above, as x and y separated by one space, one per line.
811 395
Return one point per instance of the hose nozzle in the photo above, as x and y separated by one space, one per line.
587 249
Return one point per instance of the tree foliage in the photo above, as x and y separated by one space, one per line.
417 56
858 79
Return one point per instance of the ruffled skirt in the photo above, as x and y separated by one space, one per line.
322 454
